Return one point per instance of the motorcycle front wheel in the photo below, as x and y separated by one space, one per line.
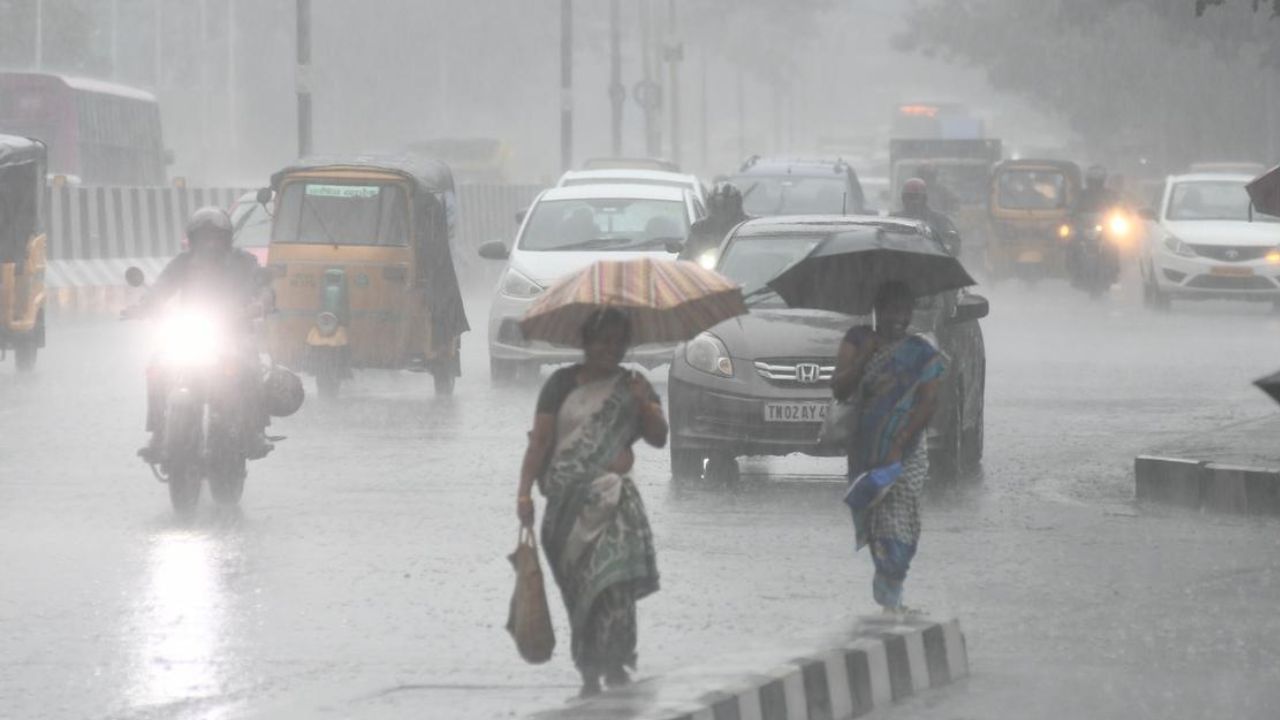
184 489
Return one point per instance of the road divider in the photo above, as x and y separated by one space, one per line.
1202 485
878 662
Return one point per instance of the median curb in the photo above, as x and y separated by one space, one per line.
873 665
1204 485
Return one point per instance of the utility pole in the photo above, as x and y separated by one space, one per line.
674 56
617 92
206 89
646 95
566 84
301 77
742 115
705 138
232 118
39 34
159 42
115 39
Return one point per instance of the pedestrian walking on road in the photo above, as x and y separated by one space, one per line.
891 377
595 531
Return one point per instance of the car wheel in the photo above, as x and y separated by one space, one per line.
723 470
973 446
686 465
945 460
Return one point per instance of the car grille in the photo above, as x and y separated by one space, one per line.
1217 282
796 372
1232 253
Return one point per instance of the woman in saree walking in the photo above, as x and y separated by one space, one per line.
595 531
891 378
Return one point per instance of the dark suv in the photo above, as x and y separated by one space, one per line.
780 186
759 384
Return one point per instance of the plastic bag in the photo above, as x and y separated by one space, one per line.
837 426
529 620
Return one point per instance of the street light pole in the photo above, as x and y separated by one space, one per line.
301 76
675 54
566 84
617 92
39 34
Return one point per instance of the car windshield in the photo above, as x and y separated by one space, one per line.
1027 189
342 214
754 260
1212 200
252 225
605 224
623 180
764 195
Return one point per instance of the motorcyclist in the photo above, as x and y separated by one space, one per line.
915 205
943 200
1095 200
214 273
724 212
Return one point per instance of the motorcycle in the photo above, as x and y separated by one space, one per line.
1095 244
204 369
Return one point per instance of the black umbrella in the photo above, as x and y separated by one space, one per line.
1270 385
1264 190
844 272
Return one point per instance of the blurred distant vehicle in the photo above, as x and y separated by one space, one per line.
960 186
251 225
787 186
946 120
100 133
473 160
633 163
22 249
759 384
628 176
1252 169
1210 243
566 229
1031 203
878 200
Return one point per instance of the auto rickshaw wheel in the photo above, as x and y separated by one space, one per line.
24 354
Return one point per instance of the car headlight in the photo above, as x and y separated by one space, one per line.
708 354
1177 247
516 284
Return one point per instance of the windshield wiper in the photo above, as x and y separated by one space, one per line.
600 242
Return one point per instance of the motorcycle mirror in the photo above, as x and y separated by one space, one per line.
264 195
135 277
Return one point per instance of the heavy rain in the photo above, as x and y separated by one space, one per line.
639 359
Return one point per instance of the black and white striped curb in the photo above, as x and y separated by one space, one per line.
1203 485
872 666
85 223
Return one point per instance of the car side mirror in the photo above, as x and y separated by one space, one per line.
494 250
1147 213
520 216
264 195
135 277
969 308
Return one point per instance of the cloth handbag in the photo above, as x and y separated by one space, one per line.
529 619
837 426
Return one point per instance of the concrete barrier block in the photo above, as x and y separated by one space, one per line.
1169 480
1222 488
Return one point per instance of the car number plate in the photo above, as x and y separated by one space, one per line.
795 411
1230 271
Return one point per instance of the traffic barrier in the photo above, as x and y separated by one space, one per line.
123 222
1203 485
878 663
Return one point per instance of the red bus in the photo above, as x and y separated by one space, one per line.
98 133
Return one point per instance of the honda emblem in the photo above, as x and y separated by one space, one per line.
807 373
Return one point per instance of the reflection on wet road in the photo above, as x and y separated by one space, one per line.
366 573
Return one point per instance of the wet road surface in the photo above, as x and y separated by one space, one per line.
365 575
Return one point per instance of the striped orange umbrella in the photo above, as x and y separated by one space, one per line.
668 301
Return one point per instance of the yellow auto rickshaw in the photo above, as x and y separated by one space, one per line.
364 276
1031 208
22 248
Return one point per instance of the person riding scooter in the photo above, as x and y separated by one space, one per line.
217 275
724 213
915 206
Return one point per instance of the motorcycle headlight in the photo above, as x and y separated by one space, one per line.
516 284
190 337
708 259
327 323
708 354
1119 226
1177 247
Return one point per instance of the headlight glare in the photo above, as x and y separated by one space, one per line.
708 354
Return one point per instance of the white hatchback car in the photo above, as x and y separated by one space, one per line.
567 229
1206 244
